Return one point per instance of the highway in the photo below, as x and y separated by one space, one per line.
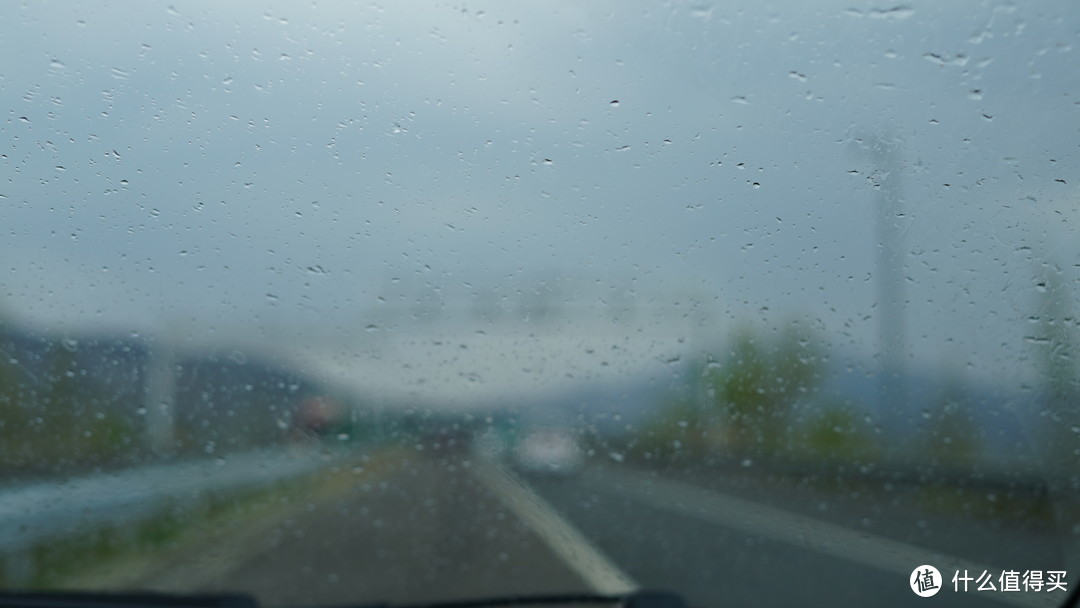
418 528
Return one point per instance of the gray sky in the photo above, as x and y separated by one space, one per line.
245 164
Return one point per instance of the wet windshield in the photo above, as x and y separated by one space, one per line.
339 303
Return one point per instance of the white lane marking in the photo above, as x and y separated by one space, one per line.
837 541
561 536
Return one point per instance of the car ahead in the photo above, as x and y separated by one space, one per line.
550 451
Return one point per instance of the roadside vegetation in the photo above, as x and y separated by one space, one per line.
764 398
127 555
58 419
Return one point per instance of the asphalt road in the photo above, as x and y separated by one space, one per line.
416 530
720 549
424 529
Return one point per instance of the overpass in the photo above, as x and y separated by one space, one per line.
461 352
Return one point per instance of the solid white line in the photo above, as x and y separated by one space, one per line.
806 532
561 536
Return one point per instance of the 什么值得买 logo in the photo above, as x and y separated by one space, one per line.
925 580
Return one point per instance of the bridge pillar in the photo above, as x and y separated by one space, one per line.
161 400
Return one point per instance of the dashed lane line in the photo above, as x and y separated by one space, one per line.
599 572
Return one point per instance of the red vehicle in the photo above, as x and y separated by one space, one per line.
318 415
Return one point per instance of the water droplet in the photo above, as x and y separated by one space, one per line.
617 457
614 103
702 12
894 13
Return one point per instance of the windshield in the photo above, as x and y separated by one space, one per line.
337 302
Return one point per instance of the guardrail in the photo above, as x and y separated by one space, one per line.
38 512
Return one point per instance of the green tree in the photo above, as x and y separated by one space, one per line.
759 383
837 434
950 436
14 414
677 430
59 424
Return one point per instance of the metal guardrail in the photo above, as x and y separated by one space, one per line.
33 513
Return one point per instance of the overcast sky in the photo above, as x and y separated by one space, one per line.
268 164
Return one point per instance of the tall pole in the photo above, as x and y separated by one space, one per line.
889 280
160 398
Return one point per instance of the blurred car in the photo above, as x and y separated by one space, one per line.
318 416
550 451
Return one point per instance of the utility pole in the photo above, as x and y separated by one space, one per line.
889 279
161 398
1057 350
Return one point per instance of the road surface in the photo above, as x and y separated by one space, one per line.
419 529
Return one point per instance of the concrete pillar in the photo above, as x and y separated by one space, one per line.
161 399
